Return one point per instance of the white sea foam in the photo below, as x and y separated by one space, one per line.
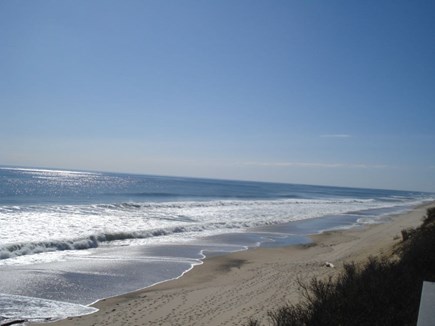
44 228
15 306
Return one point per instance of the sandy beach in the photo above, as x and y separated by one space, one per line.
228 290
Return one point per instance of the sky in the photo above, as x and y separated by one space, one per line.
310 92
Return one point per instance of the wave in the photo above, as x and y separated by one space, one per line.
22 249
61 227
199 196
131 206
220 203
94 241
14 307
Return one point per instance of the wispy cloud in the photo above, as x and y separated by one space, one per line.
317 165
336 136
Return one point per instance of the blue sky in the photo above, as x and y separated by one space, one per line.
314 92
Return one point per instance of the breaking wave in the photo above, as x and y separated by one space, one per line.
49 228
94 241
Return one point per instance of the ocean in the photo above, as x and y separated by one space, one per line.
70 238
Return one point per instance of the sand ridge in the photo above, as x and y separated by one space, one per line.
228 290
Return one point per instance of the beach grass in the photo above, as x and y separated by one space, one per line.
383 290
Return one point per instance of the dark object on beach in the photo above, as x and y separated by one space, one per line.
383 291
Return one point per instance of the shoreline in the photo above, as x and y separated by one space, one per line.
230 289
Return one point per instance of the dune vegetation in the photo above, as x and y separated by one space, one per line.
383 290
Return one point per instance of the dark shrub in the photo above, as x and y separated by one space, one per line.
367 295
418 251
430 216
380 292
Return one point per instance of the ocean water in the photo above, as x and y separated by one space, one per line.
68 238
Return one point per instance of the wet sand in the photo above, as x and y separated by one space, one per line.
228 290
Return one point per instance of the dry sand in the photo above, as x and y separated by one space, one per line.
228 290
